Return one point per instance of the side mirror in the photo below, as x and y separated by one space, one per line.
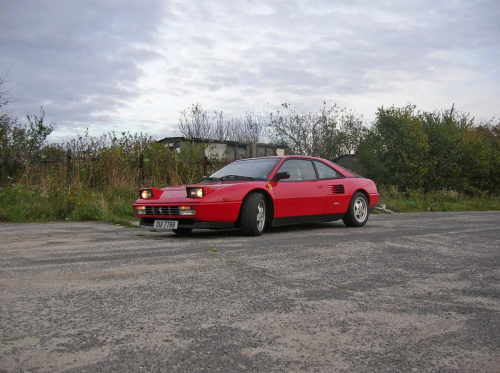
281 176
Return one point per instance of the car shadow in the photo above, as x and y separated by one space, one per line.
236 232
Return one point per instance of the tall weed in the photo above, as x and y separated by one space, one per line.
92 178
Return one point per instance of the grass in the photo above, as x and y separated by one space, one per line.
440 200
21 204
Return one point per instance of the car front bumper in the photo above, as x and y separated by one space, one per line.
189 223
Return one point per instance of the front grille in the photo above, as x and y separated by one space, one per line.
162 210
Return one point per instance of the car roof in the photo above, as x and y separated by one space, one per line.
344 170
280 157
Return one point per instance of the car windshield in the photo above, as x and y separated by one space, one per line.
248 169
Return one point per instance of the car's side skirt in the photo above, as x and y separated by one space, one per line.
291 220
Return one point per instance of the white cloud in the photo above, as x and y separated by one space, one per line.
122 65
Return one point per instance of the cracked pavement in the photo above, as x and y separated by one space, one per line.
406 292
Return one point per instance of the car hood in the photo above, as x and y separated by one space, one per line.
180 191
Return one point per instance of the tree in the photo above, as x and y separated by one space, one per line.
344 137
295 130
432 151
22 144
197 123
463 156
395 151
3 99
481 159
5 120
7 123
330 133
446 131
31 137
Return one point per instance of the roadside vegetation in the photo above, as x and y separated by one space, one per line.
392 200
421 161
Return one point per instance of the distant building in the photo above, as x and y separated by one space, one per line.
230 150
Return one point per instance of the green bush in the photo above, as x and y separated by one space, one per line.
443 150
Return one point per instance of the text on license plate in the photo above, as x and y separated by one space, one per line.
166 224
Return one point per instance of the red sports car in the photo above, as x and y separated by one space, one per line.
256 193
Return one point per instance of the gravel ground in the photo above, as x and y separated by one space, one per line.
407 292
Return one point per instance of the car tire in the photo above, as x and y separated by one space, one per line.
253 215
357 214
182 231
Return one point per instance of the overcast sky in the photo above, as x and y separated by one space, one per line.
128 65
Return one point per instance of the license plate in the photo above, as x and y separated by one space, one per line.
166 224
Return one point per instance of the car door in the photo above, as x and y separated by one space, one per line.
302 194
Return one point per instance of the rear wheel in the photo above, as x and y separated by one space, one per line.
182 231
253 215
357 215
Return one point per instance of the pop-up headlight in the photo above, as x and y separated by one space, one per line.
146 194
195 192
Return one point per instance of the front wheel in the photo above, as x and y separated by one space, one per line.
357 215
253 215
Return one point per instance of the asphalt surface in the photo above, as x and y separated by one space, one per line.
407 292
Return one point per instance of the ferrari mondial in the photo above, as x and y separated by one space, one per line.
256 193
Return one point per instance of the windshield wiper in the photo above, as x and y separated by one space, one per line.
227 177
235 177
207 178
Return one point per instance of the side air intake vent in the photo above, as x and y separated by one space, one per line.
336 189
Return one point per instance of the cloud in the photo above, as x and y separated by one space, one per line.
123 65
80 60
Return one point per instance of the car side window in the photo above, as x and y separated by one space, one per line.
299 169
325 171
